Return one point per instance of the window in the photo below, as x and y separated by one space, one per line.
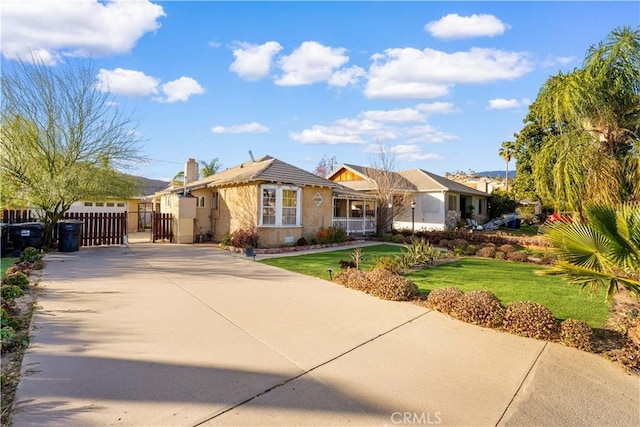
480 206
121 204
110 204
99 204
269 206
214 200
289 207
88 203
453 202
280 206
200 202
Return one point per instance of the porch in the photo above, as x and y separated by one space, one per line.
355 215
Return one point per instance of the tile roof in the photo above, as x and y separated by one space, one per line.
264 169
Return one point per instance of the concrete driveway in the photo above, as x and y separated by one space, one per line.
183 335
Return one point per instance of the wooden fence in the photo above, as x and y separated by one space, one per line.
100 228
162 227
17 216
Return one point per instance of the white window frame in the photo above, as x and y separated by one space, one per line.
214 200
279 208
201 202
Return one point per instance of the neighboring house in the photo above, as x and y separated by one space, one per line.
428 202
282 202
139 209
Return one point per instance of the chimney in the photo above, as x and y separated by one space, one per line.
482 185
190 171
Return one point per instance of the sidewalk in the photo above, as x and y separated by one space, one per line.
182 335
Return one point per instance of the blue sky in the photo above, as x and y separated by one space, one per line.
442 84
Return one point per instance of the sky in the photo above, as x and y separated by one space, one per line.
439 84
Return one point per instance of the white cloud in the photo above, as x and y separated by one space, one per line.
406 153
138 84
127 82
253 62
181 89
252 127
346 76
554 60
310 63
504 104
75 28
454 26
373 125
437 107
402 115
413 73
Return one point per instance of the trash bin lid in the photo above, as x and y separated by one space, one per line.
71 221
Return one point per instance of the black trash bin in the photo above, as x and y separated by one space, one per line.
4 249
69 232
27 234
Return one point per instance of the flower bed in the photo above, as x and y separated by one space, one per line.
286 249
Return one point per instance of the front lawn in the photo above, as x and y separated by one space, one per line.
514 281
7 262
509 281
316 264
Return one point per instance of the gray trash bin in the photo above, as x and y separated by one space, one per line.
69 234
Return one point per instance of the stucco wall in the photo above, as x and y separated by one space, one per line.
429 213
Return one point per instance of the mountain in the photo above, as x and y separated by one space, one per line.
496 174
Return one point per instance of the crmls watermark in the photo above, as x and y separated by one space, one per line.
416 418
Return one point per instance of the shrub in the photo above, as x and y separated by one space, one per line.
517 256
576 333
389 263
387 237
391 286
398 238
444 299
7 334
11 292
354 279
31 254
481 308
487 252
302 242
458 251
500 255
458 243
531 320
331 235
506 248
443 243
471 250
226 240
16 279
487 245
10 321
548 259
244 238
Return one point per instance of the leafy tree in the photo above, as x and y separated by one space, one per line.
62 140
210 168
591 117
604 251
178 179
501 202
506 152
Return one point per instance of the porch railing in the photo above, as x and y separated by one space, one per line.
356 225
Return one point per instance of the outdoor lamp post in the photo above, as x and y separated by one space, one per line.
413 216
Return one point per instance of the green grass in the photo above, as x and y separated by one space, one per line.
316 264
7 262
509 281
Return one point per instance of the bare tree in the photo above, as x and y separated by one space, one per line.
392 190
326 166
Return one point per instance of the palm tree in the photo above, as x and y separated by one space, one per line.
592 120
506 152
603 251
210 168
178 179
